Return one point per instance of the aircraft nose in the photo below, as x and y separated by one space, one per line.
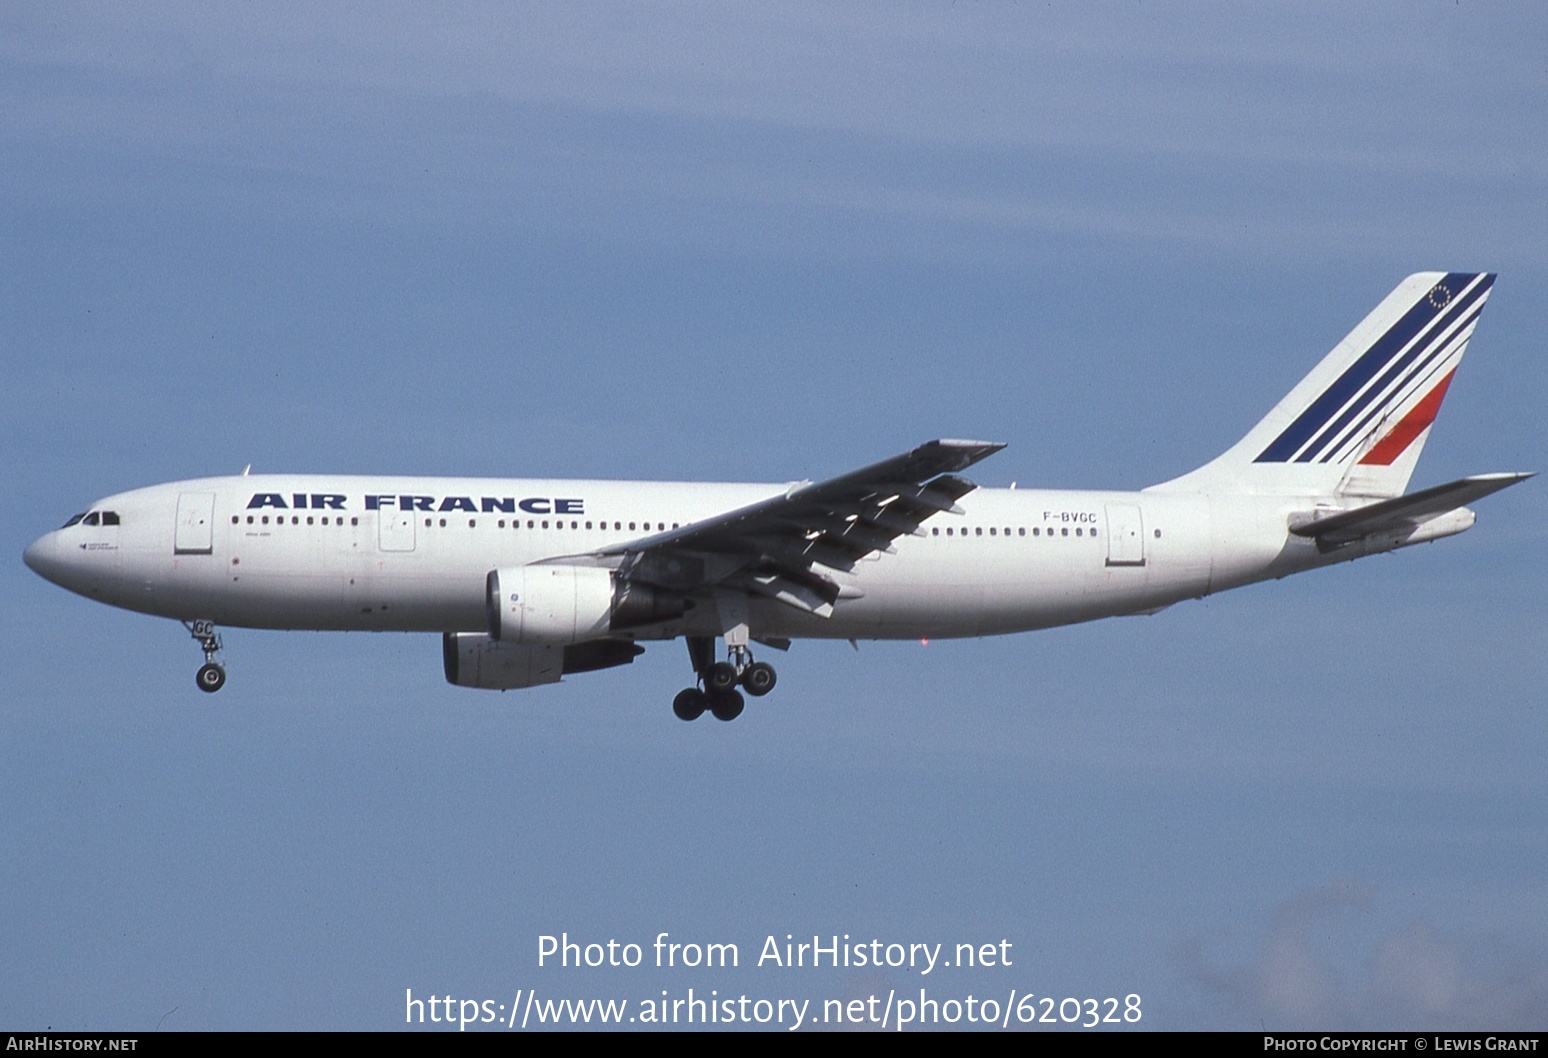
42 557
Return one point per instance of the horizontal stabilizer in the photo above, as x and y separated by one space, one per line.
1402 512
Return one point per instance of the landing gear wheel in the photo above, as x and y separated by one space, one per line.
720 678
689 704
726 705
210 678
758 679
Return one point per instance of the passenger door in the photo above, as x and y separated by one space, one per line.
1125 535
195 533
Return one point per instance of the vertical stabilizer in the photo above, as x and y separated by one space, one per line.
1355 426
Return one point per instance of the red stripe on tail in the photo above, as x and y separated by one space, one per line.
1412 425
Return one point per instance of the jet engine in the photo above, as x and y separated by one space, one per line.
472 659
553 605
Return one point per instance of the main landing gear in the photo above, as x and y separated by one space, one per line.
211 676
719 681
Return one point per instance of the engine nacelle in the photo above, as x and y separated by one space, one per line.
472 659
557 604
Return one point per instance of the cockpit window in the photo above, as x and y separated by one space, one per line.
93 518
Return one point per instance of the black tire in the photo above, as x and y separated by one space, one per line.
210 678
721 677
759 679
689 704
726 705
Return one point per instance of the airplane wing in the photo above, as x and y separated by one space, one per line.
1402 512
779 547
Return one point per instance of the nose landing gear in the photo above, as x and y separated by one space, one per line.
211 676
719 680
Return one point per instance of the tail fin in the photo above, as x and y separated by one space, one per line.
1355 426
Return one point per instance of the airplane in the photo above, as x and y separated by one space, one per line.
531 580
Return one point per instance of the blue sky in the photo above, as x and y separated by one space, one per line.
691 242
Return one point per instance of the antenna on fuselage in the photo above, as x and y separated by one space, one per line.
246 469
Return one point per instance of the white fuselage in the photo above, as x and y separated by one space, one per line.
413 554
530 580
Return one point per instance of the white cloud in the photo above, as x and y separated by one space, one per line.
1311 972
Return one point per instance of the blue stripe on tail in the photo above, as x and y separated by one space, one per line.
1379 356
